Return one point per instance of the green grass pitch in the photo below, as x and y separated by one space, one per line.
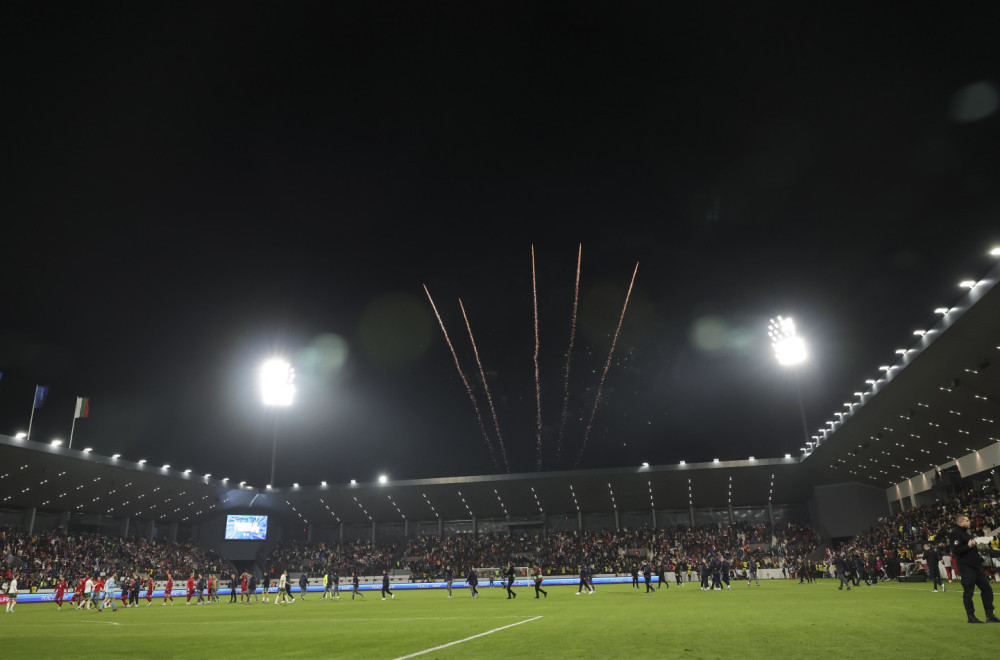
779 619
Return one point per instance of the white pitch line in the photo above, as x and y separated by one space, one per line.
459 641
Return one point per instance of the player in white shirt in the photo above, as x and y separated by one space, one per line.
282 588
88 592
12 594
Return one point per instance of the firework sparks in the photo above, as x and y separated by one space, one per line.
607 366
486 387
569 353
538 386
465 381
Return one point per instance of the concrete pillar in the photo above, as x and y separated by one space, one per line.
691 508
64 521
770 516
172 533
406 528
373 532
652 512
123 532
309 533
730 513
30 520
579 519
475 528
440 527
618 522
341 533
152 531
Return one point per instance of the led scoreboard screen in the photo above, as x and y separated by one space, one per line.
246 528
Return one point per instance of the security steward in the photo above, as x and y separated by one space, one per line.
963 548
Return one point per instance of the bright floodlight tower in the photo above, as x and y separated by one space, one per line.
277 390
790 351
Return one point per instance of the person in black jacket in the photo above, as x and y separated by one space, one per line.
472 579
303 585
355 585
233 585
510 582
385 585
840 568
647 576
932 559
963 549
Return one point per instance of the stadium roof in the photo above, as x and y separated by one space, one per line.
939 401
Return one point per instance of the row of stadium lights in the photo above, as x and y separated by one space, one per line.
823 432
111 492
912 417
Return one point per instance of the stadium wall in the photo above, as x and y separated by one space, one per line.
846 509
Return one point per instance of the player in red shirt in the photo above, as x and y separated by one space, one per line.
169 592
99 594
243 588
60 591
190 589
78 594
149 591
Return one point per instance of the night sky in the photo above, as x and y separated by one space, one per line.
191 189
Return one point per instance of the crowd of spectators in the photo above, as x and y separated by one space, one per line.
40 558
360 555
899 539
558 552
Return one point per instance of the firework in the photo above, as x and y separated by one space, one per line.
486 387
465 381
538 386
569 353
607 366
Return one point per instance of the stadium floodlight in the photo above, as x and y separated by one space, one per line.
322 483
789 347
968 284
87 450
919 333
56 442
243 483
276 383
277 390
382 479
20 435
293 485
116 456
166 466
354 482
752 458
941 310
142 461
788 455
715 460
995 252
187 471
645 464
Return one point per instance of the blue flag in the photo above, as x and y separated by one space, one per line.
41 392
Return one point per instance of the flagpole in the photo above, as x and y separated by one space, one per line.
30 421
71 429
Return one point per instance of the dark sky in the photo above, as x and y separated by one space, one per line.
191 188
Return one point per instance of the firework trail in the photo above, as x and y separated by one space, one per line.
607 366
569 352
538 387
475 406
486 387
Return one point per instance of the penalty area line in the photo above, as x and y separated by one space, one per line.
459 641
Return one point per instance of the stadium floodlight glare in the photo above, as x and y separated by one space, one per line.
142 461
645 464
967 284
789 348
919 333
243 483
166 466
788 455
116 456
322 483
383 479
87 450
293 485
276 383
187 471
20 435
995 252
941 310
56 442
683 462
225 480
354 482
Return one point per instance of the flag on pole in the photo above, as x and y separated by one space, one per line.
82 407
41 393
